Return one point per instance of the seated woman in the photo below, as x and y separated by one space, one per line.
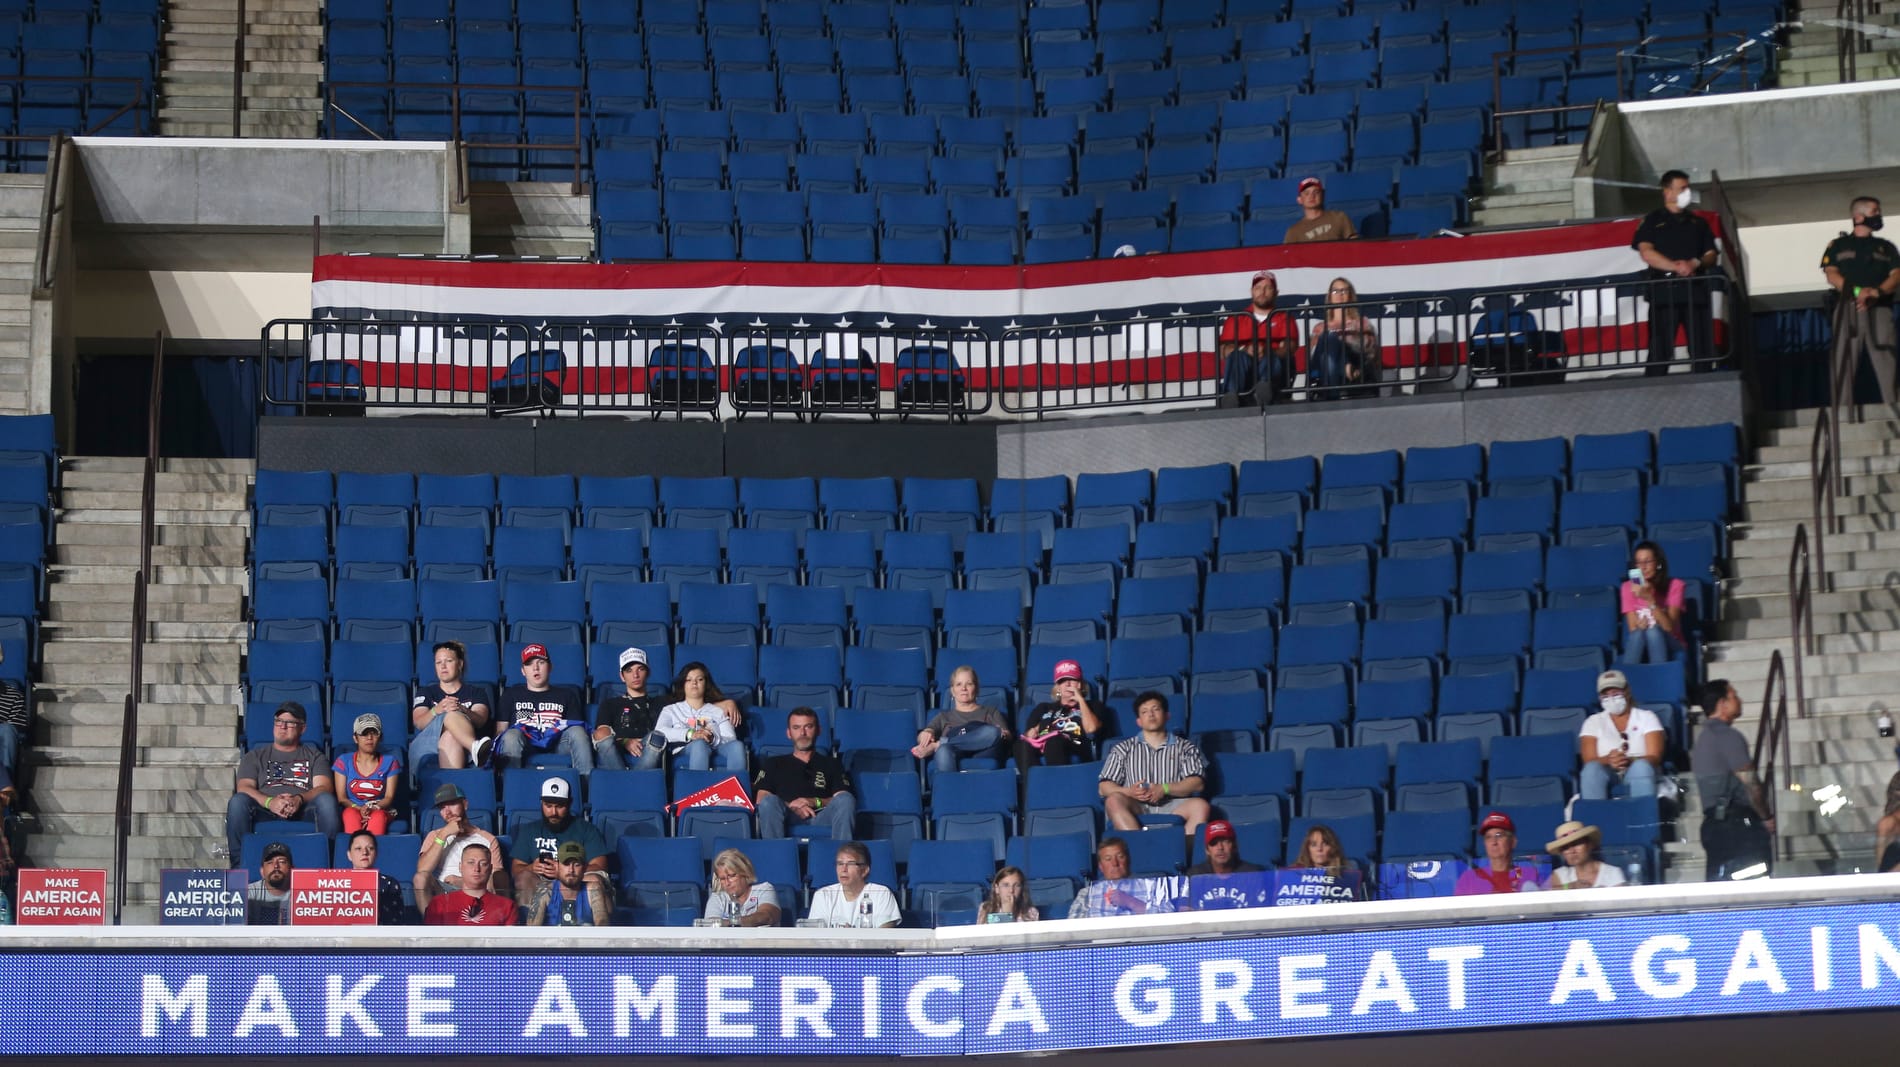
1576 845
741 900
1062 729
1652 609
1008 901
365 779
1322 851
1343 349
964 729
697 725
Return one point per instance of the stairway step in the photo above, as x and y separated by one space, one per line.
119 609
238 517
169 465
154 824
235 631
121 534
67 653
1775 540
1778 626
109 673
164 556
93 574
111 715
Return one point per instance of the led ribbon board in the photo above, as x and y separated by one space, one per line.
1442 976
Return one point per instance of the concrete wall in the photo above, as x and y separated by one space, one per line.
1772 134
188 305
168 183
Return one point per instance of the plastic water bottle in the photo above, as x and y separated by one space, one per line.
6 909
1634 873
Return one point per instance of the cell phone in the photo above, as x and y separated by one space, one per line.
1636 575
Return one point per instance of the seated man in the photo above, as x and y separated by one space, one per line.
15 704
1256 346
1114 893
285 779
537 843
439 863
450 716
1621 742
1154 772
853 900
570 898
8 825
806 786
543 717
267 900
1223 852
390 909
624 724
1497 872
472 905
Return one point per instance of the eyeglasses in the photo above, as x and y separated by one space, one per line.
851 863
1497 835
288 722
1345 292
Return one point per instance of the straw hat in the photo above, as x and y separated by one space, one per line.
1570 833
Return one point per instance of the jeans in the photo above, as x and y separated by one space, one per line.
243 814
1598 778
840 813
979 740
609 755
1243 373
512 747
10 748
1650 645
699 756
1055 752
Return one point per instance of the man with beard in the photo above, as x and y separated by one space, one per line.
571 898
805 786
267 900
1223 852
537 843
1256 347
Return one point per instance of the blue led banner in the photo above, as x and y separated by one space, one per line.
1614 967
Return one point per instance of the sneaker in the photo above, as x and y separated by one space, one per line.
479 753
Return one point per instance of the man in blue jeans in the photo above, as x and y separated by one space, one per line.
1256 346
624 724
285 779
807 786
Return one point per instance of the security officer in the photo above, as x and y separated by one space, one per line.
1866 269
1677 243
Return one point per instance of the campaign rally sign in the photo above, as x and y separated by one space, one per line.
1313 885
332 898
201 898
727 794
61 897
1419 879
1215 892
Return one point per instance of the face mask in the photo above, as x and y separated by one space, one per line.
1684 199
1872 222
1615 704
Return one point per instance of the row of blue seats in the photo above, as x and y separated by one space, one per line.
1143 490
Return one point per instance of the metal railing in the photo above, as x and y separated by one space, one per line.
53 197
1849 41
331 366
1625 73
452 103
1771 734
133 107
237 73
129 727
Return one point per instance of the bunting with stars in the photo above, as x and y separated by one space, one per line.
452 323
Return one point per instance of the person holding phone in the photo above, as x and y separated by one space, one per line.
1061 729
1652 609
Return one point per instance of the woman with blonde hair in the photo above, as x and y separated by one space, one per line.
740 899
1343 349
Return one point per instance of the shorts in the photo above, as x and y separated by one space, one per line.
1170 806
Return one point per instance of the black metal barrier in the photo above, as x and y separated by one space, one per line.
344 367
1496 338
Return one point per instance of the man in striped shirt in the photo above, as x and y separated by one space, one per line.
1154 773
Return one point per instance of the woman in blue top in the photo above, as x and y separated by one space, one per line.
366 779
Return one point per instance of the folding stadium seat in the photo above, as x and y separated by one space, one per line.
1408 639
1348 583
1164 548
1240 601
878 741
1010 561
1071 612
1620 509
810 616
1143 663
801 676
1157 607
895 619
1097 553
977 805
1363 527
982 618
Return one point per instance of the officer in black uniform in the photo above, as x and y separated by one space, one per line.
1677 243
1866 269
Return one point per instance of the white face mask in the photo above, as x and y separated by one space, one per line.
1684 199
1615 704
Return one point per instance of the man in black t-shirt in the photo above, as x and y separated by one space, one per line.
1866 270
542 717
623 723
805 786
1677 243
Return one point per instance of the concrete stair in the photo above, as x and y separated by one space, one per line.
1810 55
283 68
530 219
20 199
191 701
1854 673
1528 185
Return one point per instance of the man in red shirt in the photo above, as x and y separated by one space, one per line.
1257 346
473 904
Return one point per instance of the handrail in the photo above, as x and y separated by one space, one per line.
1849 16
52 206
1771 731
1498 60
1823 466
129 727
520 91
237 74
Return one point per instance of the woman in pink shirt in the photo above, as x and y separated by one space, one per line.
1652 609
